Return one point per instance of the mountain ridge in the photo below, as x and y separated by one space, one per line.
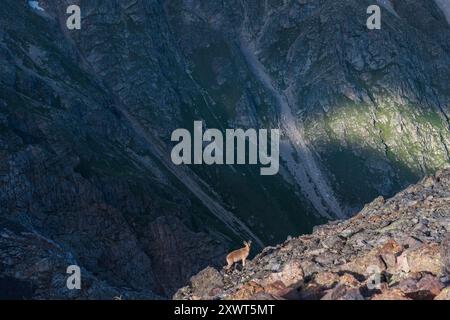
398 248
86 117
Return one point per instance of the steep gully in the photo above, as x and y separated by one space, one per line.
192 183
306 171
184 175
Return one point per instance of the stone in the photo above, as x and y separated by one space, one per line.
246 291
425 258
205 281
444 294
390 294
349 280
265 296
342 292
426 288
326 279
291 274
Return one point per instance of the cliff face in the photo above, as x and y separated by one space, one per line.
404 242
377 100
86 117
77 170
34 267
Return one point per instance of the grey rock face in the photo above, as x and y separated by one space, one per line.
86 117
34 267
75 170
344 83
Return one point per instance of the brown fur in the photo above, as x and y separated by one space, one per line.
239 255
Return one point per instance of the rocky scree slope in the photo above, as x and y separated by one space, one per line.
404 239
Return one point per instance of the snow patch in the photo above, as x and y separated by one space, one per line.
444 5
35 5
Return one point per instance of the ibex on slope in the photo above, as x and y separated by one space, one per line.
239 255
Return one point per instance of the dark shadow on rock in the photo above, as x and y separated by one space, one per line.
14 289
